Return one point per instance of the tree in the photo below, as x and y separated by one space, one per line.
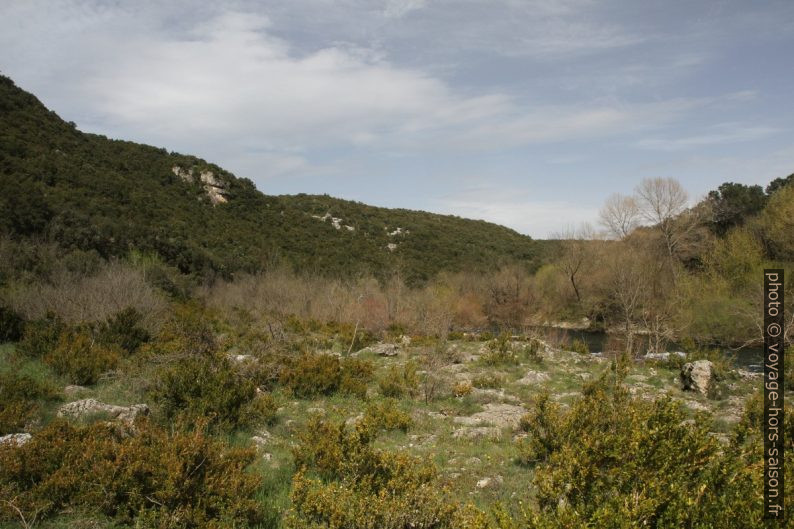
620 215
663 203
732 203
575 255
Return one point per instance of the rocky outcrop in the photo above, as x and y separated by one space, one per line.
533 377
217 189
87 407
478 432
499 415
385 349
697 376
17 439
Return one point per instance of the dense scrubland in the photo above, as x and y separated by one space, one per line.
164 372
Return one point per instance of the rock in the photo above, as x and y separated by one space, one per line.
482 394
478 432
533 377
664 356
697 375
316 411
352 421
15 438
267 456
500 415
71 390
262 438
385 349
487 482
240 358
405 340
695 405
86 407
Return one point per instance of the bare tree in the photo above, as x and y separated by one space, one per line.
575 255
620 215
627 286
663 202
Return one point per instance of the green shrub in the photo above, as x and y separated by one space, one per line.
399 381
21 400
355 377
181 479
386 415
615 461
79 358
344 482
12 326
123 330
202 386
500 352
312 374
488 381
579 346
41 336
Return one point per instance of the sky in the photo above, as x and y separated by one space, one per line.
528 113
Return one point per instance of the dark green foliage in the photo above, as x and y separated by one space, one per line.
319 374
616 461
21 399
177 480
733 203
11 325
123 330
79 358
89 192
344 482
203 386
41 336
779 183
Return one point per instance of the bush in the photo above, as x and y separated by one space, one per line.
182 479
343 482
41 336
399 381
79 358
580 346
500 352
616 461
385 415
123 330
21 400
202 386
356 375
462 388
12 325
488 381
312 374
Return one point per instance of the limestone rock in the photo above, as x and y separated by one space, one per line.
533 377
87 407
697 375
477 432
15 438
385 349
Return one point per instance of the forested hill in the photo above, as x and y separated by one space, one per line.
88 192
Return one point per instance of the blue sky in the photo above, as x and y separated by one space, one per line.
526 113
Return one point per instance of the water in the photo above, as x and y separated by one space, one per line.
750 358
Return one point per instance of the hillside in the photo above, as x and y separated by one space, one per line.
89 192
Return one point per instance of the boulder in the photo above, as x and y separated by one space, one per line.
87 407
478 432
697 376
533 377
15 438
385 349
72 390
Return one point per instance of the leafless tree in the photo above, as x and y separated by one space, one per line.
663 203
575 255
620 215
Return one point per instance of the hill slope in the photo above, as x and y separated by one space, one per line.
89 192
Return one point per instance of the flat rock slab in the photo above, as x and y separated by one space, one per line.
534 377
499 415
87 407
478 432
17 439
